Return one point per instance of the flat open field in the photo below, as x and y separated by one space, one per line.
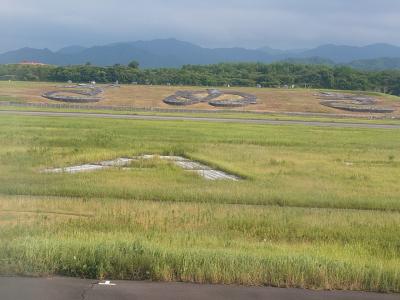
316 207
271 100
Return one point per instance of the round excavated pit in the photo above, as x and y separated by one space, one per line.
75 94
212 97
353 103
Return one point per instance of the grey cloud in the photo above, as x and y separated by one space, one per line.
223 23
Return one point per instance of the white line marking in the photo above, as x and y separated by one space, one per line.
107 283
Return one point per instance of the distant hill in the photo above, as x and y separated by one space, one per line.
271 51
150 54
310 61
71 50
378 64
278 52
31 54
174 53
346 54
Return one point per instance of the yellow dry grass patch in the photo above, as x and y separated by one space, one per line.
18 217
271 100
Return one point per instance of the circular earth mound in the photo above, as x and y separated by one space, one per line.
86 94
354 103
212 97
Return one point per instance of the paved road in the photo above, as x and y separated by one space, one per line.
182 118
15 288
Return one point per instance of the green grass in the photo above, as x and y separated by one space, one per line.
284 165
213 243
318 208
223 115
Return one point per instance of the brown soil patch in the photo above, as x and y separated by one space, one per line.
271 100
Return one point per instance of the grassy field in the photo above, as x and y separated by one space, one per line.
284 165
317 208
219 115
286 247
271 100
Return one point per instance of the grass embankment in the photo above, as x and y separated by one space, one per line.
213 243
333 223
217 115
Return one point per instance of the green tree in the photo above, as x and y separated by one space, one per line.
133 64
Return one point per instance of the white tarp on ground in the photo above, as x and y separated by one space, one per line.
184 163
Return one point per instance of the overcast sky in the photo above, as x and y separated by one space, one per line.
211 23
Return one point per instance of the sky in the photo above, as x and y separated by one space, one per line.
284 24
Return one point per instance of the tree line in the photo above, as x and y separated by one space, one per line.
233 74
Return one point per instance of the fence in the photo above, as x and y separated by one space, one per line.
189 111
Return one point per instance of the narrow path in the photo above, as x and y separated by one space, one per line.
13 288
200 119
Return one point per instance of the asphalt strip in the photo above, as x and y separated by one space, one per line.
13 288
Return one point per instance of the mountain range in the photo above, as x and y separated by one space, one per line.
174 53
